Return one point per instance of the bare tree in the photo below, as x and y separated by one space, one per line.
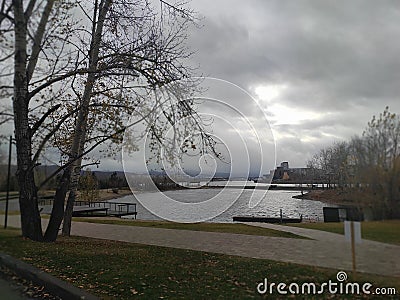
119 63
377 157
17 21
369 166
86 81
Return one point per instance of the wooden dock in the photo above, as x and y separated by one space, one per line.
98 208
115 209
80 211
262 219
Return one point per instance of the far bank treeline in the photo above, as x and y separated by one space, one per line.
367 168
101 179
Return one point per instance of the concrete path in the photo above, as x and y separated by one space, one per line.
326 250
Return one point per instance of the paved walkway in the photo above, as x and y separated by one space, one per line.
325 250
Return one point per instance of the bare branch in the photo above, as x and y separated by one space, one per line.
52 81
43 118
37 40
4 12
49 135
29 9
7 57
105 138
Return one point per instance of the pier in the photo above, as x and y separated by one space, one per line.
97 208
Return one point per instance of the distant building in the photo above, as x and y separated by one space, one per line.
285 165
285 173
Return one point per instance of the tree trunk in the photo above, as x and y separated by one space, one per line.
30 216
67 221
66 230
57 211
57 214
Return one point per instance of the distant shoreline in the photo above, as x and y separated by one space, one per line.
330 196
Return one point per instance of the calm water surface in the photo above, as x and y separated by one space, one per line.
269 206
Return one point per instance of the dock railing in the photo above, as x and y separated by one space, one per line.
114 208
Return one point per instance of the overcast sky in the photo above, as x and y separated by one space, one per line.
320 69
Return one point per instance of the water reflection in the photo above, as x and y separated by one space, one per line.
269 206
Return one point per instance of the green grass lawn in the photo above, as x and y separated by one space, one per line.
117 270
381 231
210 227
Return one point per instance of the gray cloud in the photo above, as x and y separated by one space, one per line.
338 59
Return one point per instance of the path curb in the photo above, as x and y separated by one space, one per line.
54 285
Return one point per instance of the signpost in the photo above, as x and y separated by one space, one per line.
352 233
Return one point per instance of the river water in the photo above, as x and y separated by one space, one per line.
270 205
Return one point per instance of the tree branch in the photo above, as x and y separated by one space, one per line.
7 57
94 146
43 118
37 40
5 14
48 83
29 9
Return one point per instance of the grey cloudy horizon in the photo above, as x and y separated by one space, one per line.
320 69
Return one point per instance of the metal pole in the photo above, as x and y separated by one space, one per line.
353 247
8 183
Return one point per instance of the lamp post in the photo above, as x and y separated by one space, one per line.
8 183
